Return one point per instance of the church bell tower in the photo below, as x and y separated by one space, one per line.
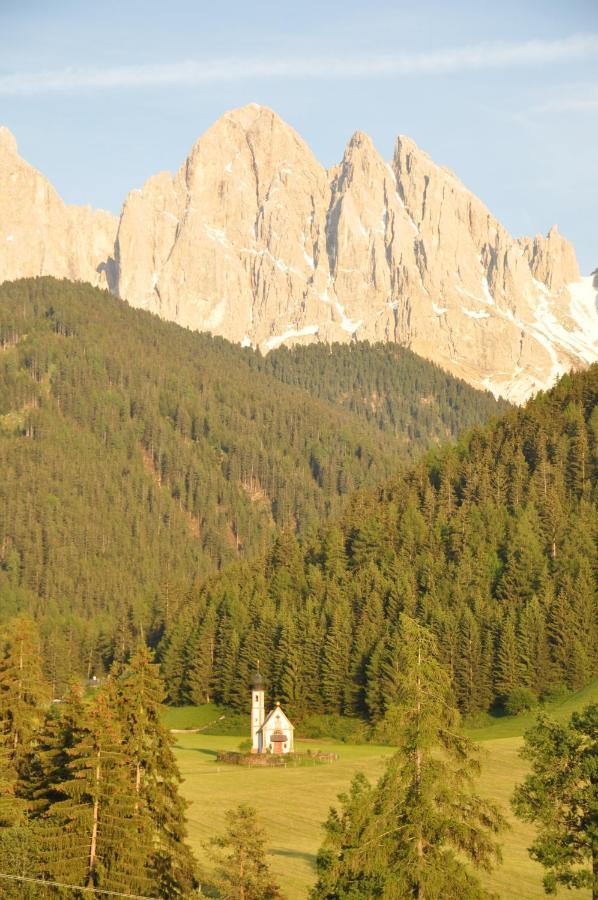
258 712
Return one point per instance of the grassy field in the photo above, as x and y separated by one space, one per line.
293 802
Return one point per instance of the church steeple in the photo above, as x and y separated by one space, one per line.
258 711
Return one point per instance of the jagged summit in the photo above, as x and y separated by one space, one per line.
254 240
255 120
247 116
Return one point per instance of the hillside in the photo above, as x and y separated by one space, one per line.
388 386
138 457
492 542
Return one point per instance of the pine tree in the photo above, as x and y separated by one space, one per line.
154 773
46 764
507 668
174 656
336 655
424 817
23 698
23 690
200 667
560 797
18 857
243 873
532 647
334 557
92 833
289 665
340 874
468 668
578 463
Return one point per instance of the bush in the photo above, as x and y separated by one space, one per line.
338 728
520 700
555 692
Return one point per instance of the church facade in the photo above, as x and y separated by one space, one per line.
272 733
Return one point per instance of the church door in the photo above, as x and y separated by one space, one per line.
277 746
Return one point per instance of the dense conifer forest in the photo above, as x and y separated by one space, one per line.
386 385
138 458
163 487
490 542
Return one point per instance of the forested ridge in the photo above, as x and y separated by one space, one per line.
490 542
386 385
138 457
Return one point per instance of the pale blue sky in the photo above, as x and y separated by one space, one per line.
101 95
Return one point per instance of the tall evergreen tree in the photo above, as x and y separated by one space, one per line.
91 833
424 817
200 670
23 699
147 746
243 873
507 664
23 688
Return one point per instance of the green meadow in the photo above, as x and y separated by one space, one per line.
294 801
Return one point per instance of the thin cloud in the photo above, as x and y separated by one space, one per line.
192 73
583 101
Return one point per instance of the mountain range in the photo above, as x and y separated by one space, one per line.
254 240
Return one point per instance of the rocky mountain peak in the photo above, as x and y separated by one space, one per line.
360 141
254 240
551 259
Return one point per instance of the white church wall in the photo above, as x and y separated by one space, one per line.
257 718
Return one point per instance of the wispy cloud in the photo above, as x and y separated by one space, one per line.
196 72
583 100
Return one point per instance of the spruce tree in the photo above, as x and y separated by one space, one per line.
23 699
200 669
339 876
23 689
91 833
243 873
424 817
148 747
507 664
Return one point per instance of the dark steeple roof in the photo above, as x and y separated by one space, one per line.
257 682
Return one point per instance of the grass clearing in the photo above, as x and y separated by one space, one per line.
515 726
293 802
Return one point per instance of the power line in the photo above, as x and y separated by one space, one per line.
76 887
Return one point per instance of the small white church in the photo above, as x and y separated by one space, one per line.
272 733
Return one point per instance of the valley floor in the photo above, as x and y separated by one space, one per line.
293 802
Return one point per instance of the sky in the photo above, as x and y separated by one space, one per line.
101 95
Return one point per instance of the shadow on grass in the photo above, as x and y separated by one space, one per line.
205 751
294 854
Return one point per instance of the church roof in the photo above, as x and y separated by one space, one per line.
257 682
286 722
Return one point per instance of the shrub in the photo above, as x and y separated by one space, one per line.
520 700
339 728
555 692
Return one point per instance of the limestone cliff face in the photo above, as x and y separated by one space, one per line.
551 259
40 235
254 240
